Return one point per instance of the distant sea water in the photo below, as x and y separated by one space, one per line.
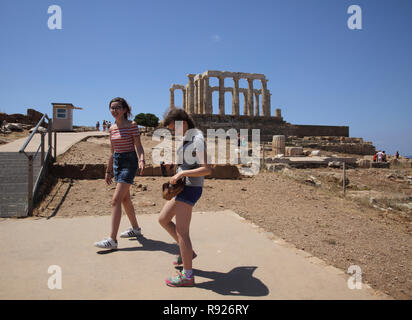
409 157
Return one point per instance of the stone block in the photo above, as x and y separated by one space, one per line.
294 151
272 167
316 153
278 144
384 165
334 164
364 163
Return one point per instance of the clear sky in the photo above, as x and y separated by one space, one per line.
320 71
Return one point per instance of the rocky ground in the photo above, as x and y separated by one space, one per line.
9 137
303 206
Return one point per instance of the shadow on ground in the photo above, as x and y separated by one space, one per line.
148 245
237 282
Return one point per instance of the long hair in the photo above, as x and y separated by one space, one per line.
177 114
124 104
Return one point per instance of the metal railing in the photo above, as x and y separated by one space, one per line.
33 184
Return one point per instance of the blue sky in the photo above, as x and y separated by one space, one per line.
320 71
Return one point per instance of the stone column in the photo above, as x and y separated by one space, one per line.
265 111
257 112
278 144
211 101
187 100
172 98
184 99
201 96
221 95
191 94
245 103
250 97
235 97
206 95
196 97
269 98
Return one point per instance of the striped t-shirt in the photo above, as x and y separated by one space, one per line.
122 139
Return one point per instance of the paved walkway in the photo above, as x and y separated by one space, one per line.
236 260
64 141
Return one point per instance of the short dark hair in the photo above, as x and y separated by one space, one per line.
124 104
177 114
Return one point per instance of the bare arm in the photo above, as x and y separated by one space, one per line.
109 169
139 148
140 152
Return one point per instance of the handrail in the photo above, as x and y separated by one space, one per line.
34 132
32 188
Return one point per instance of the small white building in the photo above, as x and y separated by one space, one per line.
63 116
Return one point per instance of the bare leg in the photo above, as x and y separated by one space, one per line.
128 207
166 216
183 218
118 196
165 219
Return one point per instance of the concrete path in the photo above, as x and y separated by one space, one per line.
64 141
236 260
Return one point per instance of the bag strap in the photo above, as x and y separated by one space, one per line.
163 168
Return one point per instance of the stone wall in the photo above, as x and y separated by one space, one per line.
269 126
334 144
315 130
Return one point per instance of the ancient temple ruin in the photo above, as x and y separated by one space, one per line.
256 112
197 94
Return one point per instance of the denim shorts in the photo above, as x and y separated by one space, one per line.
190 195
125 166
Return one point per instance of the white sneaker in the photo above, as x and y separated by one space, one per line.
129 233
106 243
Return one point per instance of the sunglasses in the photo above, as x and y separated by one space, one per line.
116 108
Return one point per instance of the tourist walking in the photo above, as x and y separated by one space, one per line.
192 170
97 126
104 125
127 156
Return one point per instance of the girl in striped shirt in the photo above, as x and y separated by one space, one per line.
126 157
